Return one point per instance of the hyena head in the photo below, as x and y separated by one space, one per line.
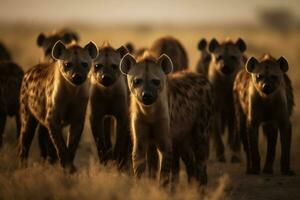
146 76
74 61
227 56
106 69
46 42
205 55
267 73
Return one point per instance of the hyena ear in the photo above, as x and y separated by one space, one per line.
250 65
122 51
213 45
126 63
70 36
240 43
58 50
202 44
129 46
40 39
92 49
283 63
166 63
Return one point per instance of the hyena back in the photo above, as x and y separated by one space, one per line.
109 100
263 95
174 49
168 113
55 95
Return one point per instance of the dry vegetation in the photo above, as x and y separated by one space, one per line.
226 181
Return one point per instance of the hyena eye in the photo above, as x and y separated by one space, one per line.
114 66
84 64
137 81
155 82
98 66
67 65
259 77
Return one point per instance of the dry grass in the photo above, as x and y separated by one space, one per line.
226 181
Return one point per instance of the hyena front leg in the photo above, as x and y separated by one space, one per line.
152 161
2 126
102 140
253 146
28 126
140 145
165 148
285 139
217 138
271 133
122 145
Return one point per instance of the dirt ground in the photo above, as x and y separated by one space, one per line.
226 181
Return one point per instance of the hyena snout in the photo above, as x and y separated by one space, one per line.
78 79
107 80
148 97
267 88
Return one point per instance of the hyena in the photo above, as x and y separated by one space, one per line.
4 53
47 41
263 94
10 83
169 113
174 49
56 95
109 100
227 60
205 58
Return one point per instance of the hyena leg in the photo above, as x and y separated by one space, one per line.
18 124
46 146
241 132
175 166
103 143
122 145
187 156
28 126
217 138
234 142
285 139
74 136
271 133
165 148
253 144
2 126
152 161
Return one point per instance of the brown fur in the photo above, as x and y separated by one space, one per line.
109 98
47 41
227 60
264 95
176 121
10 82
174 49
205 58
55 95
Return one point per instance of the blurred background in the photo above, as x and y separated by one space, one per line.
267 26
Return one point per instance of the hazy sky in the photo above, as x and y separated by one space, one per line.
139 11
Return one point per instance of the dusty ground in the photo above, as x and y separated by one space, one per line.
226 181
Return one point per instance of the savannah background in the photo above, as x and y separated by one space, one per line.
267 26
